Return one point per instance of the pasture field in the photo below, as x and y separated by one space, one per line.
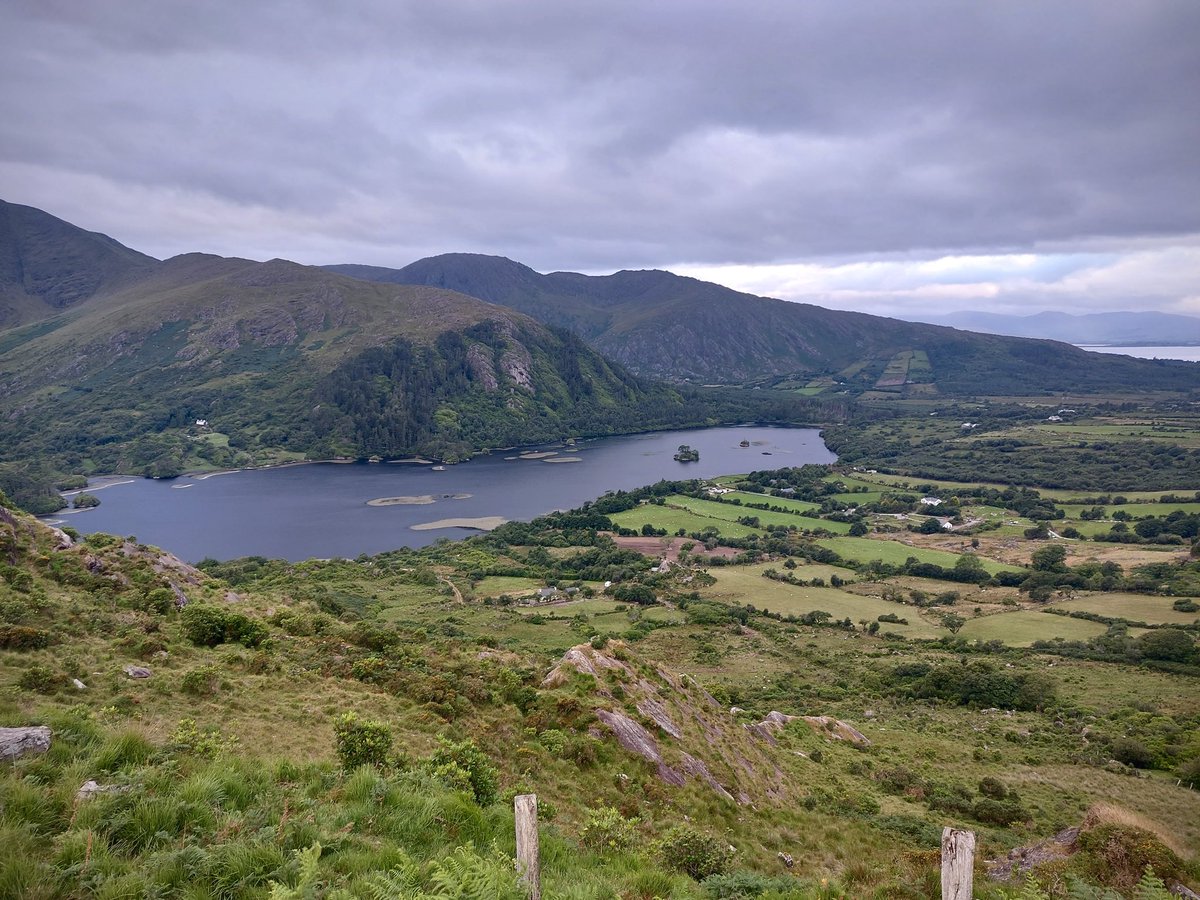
673 518
729 513
798 506
1020 629
802 572
739 586
863 549
495 585
695 515
1132 607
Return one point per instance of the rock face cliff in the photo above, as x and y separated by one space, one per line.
673 723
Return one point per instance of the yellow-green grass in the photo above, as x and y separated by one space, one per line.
896 553
728 512
782 502
1134 607
495 585
672 519
802 572
743 585
591 606
1089 528
1022 628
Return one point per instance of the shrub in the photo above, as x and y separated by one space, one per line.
993 788
22 637
160 601
188 737
553 741
201 682
453 763
361 742
695 853
42 679
204 625
999 812
1118 855
1132 753
207 626
607 830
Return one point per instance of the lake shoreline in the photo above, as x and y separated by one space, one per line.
204 474
301 510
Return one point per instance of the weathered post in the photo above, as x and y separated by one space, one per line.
958 864
528 866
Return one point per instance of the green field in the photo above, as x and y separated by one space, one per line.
695 515
861 549
1134 607
672 519
1020 629
495 585
782 502
744 585
729 512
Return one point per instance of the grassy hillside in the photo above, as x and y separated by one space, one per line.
281 357
233 765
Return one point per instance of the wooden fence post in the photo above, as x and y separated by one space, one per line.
958 864
528 865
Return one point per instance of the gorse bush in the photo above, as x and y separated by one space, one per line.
362 742
206 625
465 767
693 852
607 830
41 679
201 682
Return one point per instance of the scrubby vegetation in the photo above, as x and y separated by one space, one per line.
352 727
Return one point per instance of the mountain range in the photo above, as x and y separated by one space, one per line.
1128 329
680 329
109 357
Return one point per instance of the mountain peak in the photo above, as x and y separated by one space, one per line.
47 265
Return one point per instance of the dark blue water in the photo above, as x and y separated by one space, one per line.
321 510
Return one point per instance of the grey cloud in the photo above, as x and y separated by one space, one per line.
623 134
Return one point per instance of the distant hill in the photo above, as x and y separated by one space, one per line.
682 329
48 265
1128 329
299 359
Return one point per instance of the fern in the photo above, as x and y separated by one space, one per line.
1151 887
466 875
1081 890
402 882
306 882
1030 890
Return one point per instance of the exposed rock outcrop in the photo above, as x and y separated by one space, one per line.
828 726
673 723
17 742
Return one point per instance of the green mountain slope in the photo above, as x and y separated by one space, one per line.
667 326
281 355
47 265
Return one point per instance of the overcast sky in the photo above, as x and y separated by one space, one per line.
907 158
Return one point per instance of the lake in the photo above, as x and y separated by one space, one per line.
1187 354
324 510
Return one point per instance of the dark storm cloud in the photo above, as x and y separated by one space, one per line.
600 136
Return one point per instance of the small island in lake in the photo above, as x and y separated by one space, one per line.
687 454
